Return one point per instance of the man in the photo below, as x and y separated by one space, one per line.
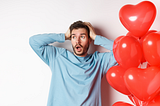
76 77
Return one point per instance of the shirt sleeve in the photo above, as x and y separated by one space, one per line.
40 44
107 58
104 42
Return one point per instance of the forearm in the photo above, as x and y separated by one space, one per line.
39 44
45 39
104 42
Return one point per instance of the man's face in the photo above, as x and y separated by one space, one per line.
80 41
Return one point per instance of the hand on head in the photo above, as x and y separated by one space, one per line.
92 32
67 35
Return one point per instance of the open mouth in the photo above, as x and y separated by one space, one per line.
78 48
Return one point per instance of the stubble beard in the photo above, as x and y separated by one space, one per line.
83 51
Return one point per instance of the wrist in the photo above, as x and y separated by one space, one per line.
67 37
93 37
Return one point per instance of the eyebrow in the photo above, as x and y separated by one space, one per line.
72 34
81 34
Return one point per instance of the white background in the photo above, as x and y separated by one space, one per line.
24 77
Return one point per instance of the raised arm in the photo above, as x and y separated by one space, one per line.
40 44
107 58
99 40
92 32
67 35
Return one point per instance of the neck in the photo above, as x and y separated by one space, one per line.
83 55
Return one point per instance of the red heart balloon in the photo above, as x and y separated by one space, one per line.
121 104
142 38
143 83
130 34
128 52
141 41
151 48
155 101
116 41
137 19
115 78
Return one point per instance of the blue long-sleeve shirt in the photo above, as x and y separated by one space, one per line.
75 81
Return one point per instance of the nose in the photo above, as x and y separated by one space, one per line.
78 40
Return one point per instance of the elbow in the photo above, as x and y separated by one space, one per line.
31 40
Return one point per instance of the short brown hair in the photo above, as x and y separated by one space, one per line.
79 24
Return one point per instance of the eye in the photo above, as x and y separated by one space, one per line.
73 37
82 37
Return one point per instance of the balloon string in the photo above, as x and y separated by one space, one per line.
143 65
142 103
134 101
138 102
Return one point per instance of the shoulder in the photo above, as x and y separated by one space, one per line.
55 51
102 55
